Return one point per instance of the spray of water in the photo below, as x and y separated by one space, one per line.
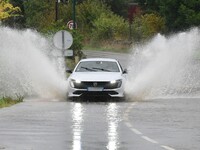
166 67
27 67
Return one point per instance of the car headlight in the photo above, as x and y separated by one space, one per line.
116 83
73 82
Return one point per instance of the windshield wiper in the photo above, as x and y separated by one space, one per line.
102 69
89 69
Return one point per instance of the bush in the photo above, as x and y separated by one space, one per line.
110 27
8 101
148 25
87 12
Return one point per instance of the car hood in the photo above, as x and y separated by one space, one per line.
96 76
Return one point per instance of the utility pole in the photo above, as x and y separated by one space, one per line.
74 14
56 9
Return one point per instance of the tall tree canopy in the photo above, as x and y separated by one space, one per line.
179 14
7 10
119 7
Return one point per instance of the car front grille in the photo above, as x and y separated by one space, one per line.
102 93
104 85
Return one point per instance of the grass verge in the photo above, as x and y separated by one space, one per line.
8 101
109 49
112 46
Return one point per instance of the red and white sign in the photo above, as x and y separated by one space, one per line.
70 25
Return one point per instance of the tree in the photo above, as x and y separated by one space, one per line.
40 15
149 6
119 7
37 13
110 27
189 15
16 21
179 14
88 11
147 26
7 10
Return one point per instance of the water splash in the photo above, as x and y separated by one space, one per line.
166 67
27 67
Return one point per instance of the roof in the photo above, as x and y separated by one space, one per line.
99 59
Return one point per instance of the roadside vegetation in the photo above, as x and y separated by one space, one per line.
114 25
7 10
104 22
8 101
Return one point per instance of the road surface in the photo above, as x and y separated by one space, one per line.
51 124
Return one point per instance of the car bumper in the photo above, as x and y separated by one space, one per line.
112 93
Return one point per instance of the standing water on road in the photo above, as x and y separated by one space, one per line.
166 67
27 66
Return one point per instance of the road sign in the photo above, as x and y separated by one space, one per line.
62 40
70 25
68 53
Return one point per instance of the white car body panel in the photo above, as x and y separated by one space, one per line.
96 76
99 78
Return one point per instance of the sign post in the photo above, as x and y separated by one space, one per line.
74 13
62 40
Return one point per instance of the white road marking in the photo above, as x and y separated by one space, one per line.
129 125
167 147
149 139
136 131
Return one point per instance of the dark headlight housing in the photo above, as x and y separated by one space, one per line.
116 83
73 83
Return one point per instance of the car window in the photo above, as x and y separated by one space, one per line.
97 66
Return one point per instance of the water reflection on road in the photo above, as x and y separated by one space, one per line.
77 127
113 120
111 117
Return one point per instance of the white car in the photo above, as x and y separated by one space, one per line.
97 77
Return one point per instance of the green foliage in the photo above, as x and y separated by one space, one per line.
179 14
147 26
7 10
152 24
88 12
119 7
38 13
77 42
54 27
16 18
8 101
149 6
105 20
110 27
189 16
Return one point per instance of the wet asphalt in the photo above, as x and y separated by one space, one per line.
51 124
161 124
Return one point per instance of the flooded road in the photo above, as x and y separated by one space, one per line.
149 124
162 124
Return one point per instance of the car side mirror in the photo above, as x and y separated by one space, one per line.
125 71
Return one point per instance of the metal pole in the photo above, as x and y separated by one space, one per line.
56 10
74 14
130 30
63 40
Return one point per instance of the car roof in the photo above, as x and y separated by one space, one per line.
99 59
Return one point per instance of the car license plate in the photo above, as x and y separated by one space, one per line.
95 89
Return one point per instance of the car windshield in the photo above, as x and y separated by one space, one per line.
97 66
